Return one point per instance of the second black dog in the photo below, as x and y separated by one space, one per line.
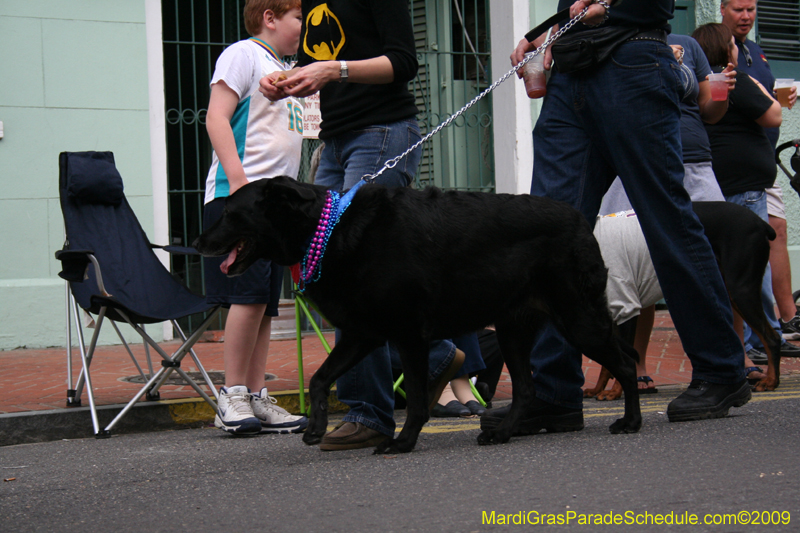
410 266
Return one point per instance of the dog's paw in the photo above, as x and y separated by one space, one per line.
626 425
489 437
392 446
765 384
312 439
590 393
608 396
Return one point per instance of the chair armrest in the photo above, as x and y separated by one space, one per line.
73 264
176 250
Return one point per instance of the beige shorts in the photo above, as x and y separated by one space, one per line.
775 206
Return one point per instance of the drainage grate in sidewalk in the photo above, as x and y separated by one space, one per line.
217 378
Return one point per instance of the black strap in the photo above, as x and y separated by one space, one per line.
546 25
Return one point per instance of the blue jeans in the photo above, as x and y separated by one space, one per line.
623 118
367 388
350 156
346 158
756 201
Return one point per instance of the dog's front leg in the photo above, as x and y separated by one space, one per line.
414 357
516 342
348 352
622 364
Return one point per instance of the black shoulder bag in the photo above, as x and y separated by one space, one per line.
588 48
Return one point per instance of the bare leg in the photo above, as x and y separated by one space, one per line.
462 390
447 395
781 270
247 333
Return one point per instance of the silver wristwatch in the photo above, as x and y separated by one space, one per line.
343 72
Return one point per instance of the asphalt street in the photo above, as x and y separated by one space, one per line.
743 468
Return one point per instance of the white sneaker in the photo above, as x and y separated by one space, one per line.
275 419
235 414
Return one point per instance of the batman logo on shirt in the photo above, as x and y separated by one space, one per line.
324 36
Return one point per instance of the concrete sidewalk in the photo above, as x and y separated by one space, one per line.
34 383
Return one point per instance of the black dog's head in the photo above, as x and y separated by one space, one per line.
270 219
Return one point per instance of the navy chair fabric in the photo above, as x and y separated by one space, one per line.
98 219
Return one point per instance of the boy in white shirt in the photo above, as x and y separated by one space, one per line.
253 138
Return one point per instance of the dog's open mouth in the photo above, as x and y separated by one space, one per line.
239 251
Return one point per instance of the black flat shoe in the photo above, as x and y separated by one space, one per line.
475 407
454 409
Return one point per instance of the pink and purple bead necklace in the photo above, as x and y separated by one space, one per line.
311 266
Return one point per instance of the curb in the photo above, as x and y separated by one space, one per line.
76 422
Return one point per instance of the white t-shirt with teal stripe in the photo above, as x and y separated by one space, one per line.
268 135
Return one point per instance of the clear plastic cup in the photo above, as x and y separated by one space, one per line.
719 87
783 88
534 76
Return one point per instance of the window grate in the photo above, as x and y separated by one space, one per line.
779 29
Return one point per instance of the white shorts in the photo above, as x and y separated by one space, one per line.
632 282
775 206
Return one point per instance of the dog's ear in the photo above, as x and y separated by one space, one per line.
290 189
284 194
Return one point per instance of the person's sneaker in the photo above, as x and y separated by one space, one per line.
789 350
351 436
791 329
552 418
235 414
758 357
275 419
704 399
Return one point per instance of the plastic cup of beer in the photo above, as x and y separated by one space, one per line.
719 87
534 77
783 88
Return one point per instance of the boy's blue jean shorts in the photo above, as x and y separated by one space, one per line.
260 284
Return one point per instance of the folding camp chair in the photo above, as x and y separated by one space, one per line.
113 273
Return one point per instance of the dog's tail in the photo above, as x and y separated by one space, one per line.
628 349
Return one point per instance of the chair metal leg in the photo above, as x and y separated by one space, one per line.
476 393
300 378
193 355
396 388
68 301
85 374
300 304
130 353
168 364
182 351
72 399
87 354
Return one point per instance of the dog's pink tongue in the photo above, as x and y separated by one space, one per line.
229 260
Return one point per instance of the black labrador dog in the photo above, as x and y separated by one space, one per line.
410 266
740 241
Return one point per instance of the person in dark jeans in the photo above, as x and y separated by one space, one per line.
622 117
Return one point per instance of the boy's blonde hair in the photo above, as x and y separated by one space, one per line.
254 12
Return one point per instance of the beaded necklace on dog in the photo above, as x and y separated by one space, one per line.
335 206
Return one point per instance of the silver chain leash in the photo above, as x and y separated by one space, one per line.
391 163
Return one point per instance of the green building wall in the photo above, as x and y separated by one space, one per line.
73 77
